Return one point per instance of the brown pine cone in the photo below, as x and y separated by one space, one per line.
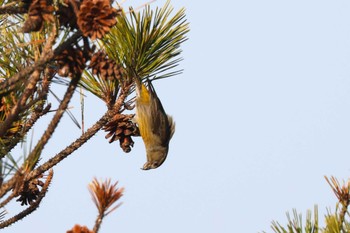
106 68
126 143
96 17
39 11
71 62
29 191
66 14
79 229
122 128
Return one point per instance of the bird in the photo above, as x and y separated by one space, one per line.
156 127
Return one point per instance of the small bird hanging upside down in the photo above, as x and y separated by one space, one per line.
156 127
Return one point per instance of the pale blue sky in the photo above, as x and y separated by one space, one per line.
262 113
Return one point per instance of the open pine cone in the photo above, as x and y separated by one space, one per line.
96 17
29 191
122 128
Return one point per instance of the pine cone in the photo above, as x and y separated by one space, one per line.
106 68
79 229
126 143
71 61
67 16
39 11
29 191
96 17
122 128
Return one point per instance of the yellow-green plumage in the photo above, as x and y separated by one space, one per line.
156 127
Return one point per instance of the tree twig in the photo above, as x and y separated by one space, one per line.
30 86
5 187
12 8
98 222
32 207
39 65
8 199
56 119
21 103
80 141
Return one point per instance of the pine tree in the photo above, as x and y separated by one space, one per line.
91 44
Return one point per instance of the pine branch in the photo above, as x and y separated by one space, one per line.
11 9
7 186
34 155
29 124
40 64
81 140
104 195
8 199
148 43
30 86
342 192
55 120
32 207
21 104
295 223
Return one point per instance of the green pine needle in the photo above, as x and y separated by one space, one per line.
295 223
106 90
148 43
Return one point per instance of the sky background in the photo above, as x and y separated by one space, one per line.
262 112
